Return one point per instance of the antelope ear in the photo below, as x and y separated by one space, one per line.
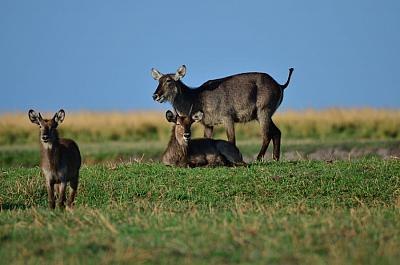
156 74
170 116
34 117
180 73
198 116
59 116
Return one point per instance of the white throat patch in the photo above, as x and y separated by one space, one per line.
47 145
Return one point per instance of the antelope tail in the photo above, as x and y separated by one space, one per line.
288 80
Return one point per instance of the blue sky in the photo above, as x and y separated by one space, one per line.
97 55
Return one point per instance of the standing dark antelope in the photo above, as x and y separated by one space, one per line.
183 151
237 98
60 158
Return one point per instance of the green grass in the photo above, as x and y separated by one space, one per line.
104 152
29 155
304 212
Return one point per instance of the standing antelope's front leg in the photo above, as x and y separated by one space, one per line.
63 187
50 194
208 131
230 130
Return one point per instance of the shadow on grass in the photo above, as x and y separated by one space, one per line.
12 206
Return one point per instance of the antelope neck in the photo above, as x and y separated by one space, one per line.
50 154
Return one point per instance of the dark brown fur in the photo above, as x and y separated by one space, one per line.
184 152
60 159
237 98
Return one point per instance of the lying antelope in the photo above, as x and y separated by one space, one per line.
237 98
185 152
60 158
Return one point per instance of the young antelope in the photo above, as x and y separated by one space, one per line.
60 159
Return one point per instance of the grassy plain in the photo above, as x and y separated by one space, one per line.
307 209
143 135
304 212
27 155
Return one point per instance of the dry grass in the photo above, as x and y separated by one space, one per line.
133 126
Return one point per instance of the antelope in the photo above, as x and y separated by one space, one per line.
60 159
186 152
237 98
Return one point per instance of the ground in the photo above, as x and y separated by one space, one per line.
293 212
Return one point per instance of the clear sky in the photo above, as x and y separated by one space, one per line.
97 55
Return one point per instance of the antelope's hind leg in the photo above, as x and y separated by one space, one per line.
50 195
265 123
74 187
56 191
231 154
61 202
276 140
